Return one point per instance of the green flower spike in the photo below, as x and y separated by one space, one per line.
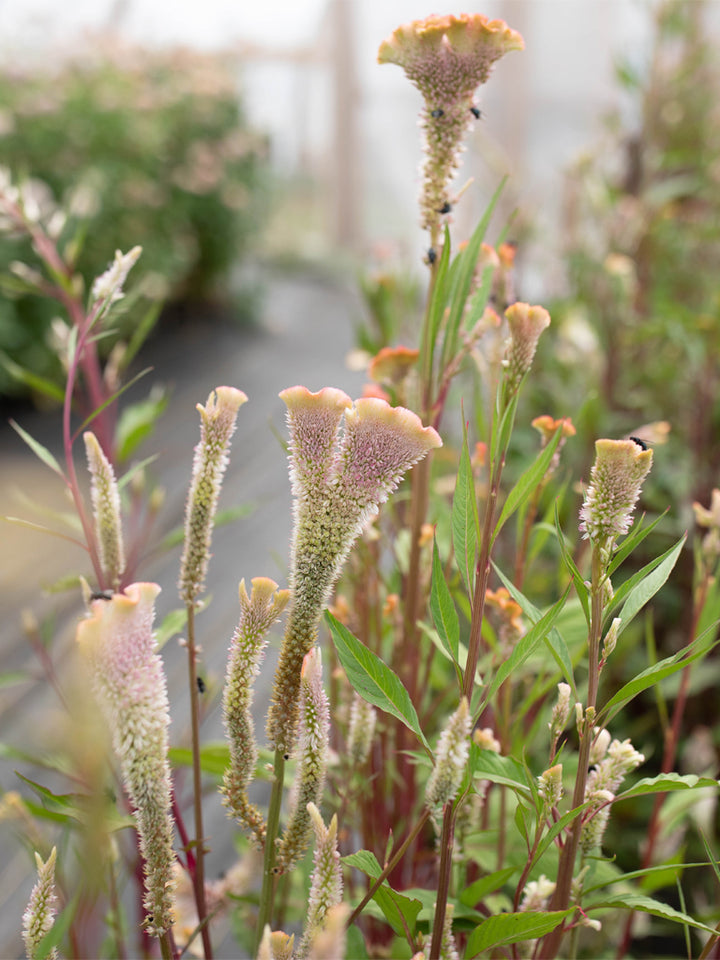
338 484
258 612
326 883
447 58
39 916
450 759
312 754
106 511
129 684
217 425
615 482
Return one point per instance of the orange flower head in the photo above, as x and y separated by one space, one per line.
392 364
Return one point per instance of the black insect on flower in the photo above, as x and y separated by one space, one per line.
640 442
476 113
201 685
445 208
431 256
101 595
437 113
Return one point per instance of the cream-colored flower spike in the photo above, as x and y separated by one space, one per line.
217 425
615 483
447 58
450 759
107 515
338 483
39 915
130 687
326 883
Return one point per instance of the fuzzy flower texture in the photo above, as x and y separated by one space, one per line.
338 483
615 482
39 916
447 58
129 684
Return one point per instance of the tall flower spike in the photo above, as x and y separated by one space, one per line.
338 484
106 511
447 58
258 612
217 425
450 759
326 883
129 683
526 324
615 482
312 756
39 916
363 717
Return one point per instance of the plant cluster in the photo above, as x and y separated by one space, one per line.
135 147
459 770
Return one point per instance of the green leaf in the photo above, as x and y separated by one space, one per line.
665 783
636 536
135 469
395 906
138 421
580 589
649 586
214 758
465 521
525 646
478 890
111 399
443 609
488 765
636 901
12 677
141 332
173 624
657 672
372 679
506 928
38 449
527 483
30 379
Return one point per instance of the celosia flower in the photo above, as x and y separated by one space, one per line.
610 639
622 758
550 786
447 58
595 820
448 947
599 746
561 711
106 511
39 915
526 324
276 946
615 482
392 364
258 612
338 484
450 758
510 612
312 754
711 520
486 739
362 727
107 288
547 426
129 683
217 425
330 941
326 882
536 895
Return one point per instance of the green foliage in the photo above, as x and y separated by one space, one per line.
144 147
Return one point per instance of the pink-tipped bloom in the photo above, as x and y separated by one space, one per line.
526 324
447 58
39 915
129 684
217 425
258 612
615 482
338 483
105 498
326 883
312 757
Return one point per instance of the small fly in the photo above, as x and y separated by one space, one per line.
437 113
476 113
101 595
640 442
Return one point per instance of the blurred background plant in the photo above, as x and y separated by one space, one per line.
143 147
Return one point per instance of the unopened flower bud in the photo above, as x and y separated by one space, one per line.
105 498
561 711
611 638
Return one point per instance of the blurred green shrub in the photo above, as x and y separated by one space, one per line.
144 147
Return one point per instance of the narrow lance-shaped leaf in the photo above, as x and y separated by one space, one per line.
647 588
373 679
38 449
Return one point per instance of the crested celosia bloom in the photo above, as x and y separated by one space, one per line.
361 730
258 612
217 425
338 483
526 324
326 882
129 684
312 757
39 915
392 364
108 286
105 498
447 58
450 758
615 482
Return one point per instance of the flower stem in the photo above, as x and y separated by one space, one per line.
199 874
273 826
446 850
